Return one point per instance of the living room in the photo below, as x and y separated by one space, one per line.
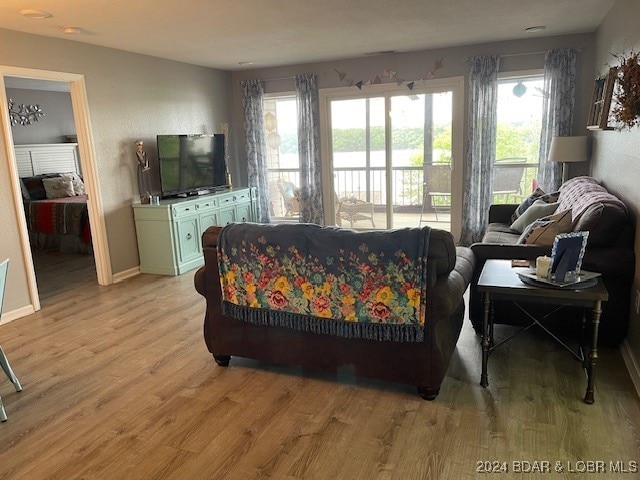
132 96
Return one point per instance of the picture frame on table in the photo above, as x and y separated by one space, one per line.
566 257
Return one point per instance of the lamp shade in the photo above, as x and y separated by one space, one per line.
568 149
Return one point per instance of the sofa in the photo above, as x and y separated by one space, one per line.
422 362
582 204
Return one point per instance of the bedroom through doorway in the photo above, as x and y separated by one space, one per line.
45 145
63 239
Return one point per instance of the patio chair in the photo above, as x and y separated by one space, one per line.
3 358
353 210
437 184
507 178
288 191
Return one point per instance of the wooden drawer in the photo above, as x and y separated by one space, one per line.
181 210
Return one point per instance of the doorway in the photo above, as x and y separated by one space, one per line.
77 91
390 155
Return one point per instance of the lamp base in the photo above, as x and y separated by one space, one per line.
565 172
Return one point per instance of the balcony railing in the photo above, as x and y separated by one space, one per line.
369 184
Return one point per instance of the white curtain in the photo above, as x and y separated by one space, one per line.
252 96
557 114
311 210
478 180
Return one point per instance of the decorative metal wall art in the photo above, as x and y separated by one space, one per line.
24 114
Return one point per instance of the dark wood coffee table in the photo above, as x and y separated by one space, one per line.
500 281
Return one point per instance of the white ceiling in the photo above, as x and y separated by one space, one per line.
220 34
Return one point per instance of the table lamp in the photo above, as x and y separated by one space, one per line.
567 150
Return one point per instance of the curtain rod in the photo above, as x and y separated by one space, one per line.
577 49
539 52
275 79
523 54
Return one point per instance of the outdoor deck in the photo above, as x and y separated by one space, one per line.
400 220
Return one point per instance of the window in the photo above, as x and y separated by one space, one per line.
283 164
518 137
382 146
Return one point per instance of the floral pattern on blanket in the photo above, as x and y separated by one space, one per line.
354 285
271 279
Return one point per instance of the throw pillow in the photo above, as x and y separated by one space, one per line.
34 187
24 190
526 203
537 195
78 185
544 230
58 187
538 210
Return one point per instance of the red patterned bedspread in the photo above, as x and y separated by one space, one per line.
64 216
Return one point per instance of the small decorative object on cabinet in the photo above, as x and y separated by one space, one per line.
169 234
144 183
601 101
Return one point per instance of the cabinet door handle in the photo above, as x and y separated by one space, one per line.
189 236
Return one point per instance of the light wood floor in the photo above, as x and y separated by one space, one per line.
118 384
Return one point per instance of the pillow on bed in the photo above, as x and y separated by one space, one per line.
78 185
58 187
34 187
24 190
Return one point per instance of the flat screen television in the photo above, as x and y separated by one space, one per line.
191 164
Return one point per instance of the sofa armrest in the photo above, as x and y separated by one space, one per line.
199 281
501 213
485 251
445 295
210 236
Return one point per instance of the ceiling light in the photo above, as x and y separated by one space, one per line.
537 28
71 30
245 63
31 13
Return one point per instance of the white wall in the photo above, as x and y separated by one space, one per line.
616 154
130 96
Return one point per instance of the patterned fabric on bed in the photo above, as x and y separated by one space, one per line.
65 216
326 280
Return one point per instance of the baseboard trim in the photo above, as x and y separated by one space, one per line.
16 314
632 364
125 274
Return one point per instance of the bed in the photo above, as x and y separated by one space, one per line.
55 202
59 224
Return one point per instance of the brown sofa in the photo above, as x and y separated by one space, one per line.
609 251
423 364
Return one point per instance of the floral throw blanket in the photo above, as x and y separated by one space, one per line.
326 280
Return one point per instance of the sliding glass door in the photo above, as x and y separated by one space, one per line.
389 153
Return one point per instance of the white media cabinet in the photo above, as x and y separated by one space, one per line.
169 234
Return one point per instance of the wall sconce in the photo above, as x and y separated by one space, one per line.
24 114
